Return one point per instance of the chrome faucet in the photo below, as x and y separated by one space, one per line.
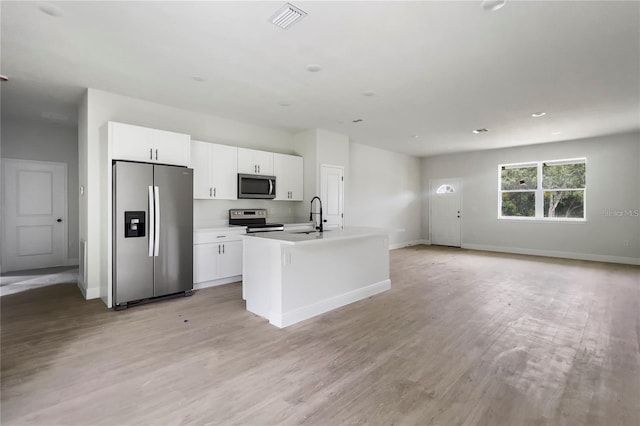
311 213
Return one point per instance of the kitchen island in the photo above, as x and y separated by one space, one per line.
292 276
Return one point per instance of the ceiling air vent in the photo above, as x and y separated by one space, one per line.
287 16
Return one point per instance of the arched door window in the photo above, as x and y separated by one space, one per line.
445 189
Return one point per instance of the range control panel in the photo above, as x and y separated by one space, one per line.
247 216
247 213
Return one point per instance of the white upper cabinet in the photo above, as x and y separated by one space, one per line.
202 169
225 172
214 171
254 162
288 170
138 143
171 147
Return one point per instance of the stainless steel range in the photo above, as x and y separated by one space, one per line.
254 219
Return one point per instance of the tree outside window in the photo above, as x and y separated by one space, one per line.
543 190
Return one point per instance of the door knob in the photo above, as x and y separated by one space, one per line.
58 220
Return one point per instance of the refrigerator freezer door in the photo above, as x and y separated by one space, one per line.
132 265
173 269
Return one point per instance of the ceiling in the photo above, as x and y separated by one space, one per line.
420 75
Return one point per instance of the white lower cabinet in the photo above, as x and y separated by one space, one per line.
230 262
217 260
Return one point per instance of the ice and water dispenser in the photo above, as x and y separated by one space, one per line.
134 224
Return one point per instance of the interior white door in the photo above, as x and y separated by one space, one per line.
332 194
35 220
446 212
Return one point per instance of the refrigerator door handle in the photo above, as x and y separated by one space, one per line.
151 221
156 232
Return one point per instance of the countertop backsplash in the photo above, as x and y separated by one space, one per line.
215 213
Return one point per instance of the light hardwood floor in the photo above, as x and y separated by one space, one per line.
462 337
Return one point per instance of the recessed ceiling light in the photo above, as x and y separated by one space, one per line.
415 136
369 93
198 78
538 114
313 67
492 5
480 131
358 120
4 77
287 15
556 133
50 9
284 104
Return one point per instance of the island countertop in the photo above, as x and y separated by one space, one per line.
313 237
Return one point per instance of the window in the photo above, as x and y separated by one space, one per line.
553 190
445 189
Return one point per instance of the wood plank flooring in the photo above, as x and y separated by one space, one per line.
462 338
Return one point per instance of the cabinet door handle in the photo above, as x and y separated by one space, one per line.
150 153
223 249
218 248
258 168
156 153
210 194
255 168
214 192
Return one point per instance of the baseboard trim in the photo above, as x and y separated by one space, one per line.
408 244
73 261
89 293
300 314
82 289
214 283
554 253
92 293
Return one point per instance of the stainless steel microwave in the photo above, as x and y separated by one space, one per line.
256 186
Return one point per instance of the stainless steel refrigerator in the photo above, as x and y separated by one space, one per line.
152 231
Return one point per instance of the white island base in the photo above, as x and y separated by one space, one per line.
290 277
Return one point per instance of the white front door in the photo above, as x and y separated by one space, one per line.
446 211
34 211
332 195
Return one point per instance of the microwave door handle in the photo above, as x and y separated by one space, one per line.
270 187
156 233
151 221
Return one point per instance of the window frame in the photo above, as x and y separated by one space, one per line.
540 190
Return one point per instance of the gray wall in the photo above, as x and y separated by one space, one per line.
40 141
384 192
613 178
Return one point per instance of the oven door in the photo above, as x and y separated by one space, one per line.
256 186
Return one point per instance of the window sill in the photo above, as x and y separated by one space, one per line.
538 220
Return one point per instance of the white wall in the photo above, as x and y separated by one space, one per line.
305 145
100 107
40 141
385 192
318 147
613 178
